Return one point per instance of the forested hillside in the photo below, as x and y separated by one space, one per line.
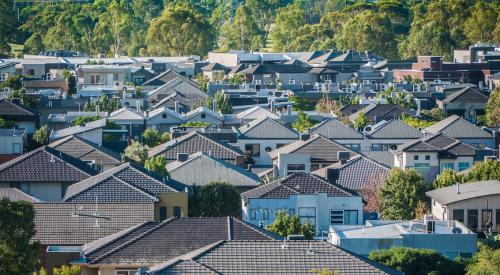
391 28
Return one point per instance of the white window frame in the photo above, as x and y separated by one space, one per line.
128 272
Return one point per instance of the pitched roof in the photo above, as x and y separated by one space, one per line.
334 129
124 183
161 110
9 108
267 128
164 78
209 169
357 173
466 95
192 143
381 112
470 190
275 68
14 194
126 113
457 127
89 126
154 242
256 112
270 257
45 165
319 147
394 128
350 109
215 67
297 184
85 150
439 143
203 110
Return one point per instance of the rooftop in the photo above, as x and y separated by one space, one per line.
471 190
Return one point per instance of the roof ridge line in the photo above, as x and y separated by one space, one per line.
151 177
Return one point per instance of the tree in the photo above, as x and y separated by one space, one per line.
288 22
361 121
70 79
237 79
446 178
484 170
413 261
303 122
493 108
486 261
285 225
34 44
401 193
202 82
243 33
8 25
151 137
67 270
416 122
135 152
13 82
196 124
25 100
18 251
215 199
157 164
42 135
223 103
480 25
6 123
179 31
82 120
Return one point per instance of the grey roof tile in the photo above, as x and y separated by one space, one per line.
466 95
11 109
101 123
14 194
439 143
334 129
266 128
85 150
395 128
457 127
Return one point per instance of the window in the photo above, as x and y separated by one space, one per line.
336 217
31 72
486 217
115 77
458 215
163 213
354 146
447 165
295 168
177 211
350 216
253 214
16 148
265 214
164 115
254 149
127 272
307 215
96 79
427 157
376 147
472 219
415 157
463 166
498 218
203 115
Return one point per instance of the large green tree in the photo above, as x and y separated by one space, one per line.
285 225
288 23
152 137
215 199
446 178
484 170
493 108
8 25
136 152
479 27
157 164
42 135
242 33
18 252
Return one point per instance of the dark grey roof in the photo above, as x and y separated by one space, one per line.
270 257
394 128
334 129
85 150
275 68
215 67
446 146
57 224
125 183
470 190
378 112
14 194
358 173
9 108
350 109
45 165
154 242
384 157
89 126
457 127
267 128
466 95
164 78
192 143
297 184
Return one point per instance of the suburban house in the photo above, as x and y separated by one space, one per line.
44 173
7 69
57 121
195 142
99 157
476 204
40 66
111 75
215 71
449 238
91 131
22 117
290 257
378 112
162 79
261 136
433 154
209 169
130 120
151 242
254 113
467 103
350 109
163 118
387 135
274 73
307 155
179 89
463 130
339 132
12 143
311 197
204 114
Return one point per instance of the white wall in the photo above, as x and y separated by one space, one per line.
45 191
94 136
264 158
7 144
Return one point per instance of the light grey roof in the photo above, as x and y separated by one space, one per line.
126 113
101 123
384 157
471 190
446 146
457 127
334 129
270 257
14 194
256 112
267 128
396 129
466 95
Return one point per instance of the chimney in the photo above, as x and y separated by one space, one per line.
458 187
304 137
181 157
176 106
343 156
272 106
97 111
214 105
138 106
289 109
332 174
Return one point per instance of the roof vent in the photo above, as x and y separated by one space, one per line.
181 157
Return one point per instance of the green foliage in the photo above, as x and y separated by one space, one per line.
13 82
403 99
18 254
401 193
416 122
202 82
42 271
285 225
289 20
243 33
27 101
151 137
34 44
361 121
446 178
303 122
157 164
8 25
493 108
223 103
237 79
486 261
67 270
300 104
215 199
105 105
484 170
6 123
414 261
482 22
135 152
435 114
81 120
42 135
195 124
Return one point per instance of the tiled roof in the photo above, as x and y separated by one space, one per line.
270 257
358 173
45 165
101 123
378 112
350 109
457 127
320 148
14 194
439 143
275 68
256 112
164 78
334 129
395 128
57 224
155 242
125 183
267 128
85 150
297 184
215 67
126 113
9 108
192 143
466 95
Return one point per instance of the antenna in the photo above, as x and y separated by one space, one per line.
96 214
